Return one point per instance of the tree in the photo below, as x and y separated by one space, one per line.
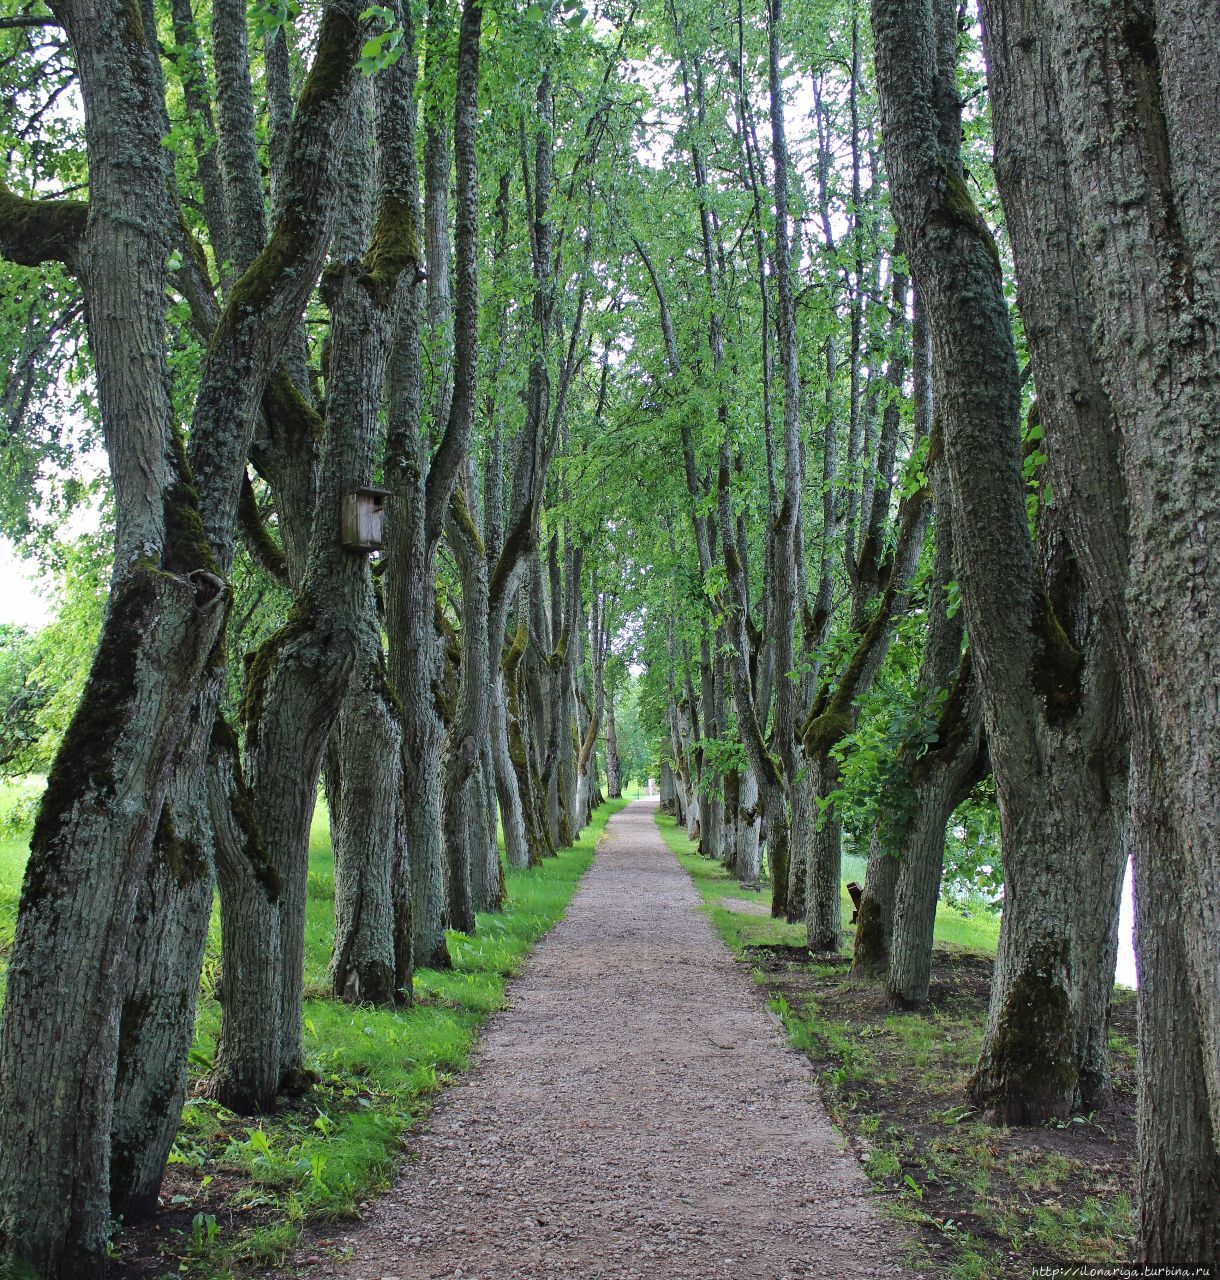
1122 420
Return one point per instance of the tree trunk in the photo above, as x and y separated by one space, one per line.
157 1020
1119 434
824 860
1179 1163
461 756
940 780
933 785
370 953
1029 671
246 1074
875 914
614 767
667 789
508 786
521 754
94 835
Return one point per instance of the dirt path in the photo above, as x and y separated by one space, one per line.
634 1114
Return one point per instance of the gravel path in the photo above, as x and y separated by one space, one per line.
635 1114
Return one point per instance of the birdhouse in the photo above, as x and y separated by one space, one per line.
362 516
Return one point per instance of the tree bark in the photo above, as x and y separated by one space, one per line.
372 950
96 825
1041 697
157 1020
1107 241
614 766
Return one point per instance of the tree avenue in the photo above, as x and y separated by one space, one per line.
443 416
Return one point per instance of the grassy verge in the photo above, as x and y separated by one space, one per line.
983 1202
238 1192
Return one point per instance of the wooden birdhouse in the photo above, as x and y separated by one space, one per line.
362 517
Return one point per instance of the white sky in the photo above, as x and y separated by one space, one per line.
20 600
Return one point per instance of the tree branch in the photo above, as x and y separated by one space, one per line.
36 231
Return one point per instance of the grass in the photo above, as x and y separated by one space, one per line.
981 1202
239 1191
974 933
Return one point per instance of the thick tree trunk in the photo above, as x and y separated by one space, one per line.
1029 671
371 953
155 1026
94 835
161 621
246 1074
1138 91
1179 1162
875 914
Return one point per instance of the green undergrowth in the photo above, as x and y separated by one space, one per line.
239 1190
981 1202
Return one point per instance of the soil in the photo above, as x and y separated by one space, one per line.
635 1114
1093 1157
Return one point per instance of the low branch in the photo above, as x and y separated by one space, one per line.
36 231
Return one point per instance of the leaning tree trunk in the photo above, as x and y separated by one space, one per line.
94 835
166 946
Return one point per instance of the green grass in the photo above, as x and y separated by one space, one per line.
377 1069
955 931
17 800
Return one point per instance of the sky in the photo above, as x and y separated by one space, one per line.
20 600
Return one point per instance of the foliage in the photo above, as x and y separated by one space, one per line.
21 700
